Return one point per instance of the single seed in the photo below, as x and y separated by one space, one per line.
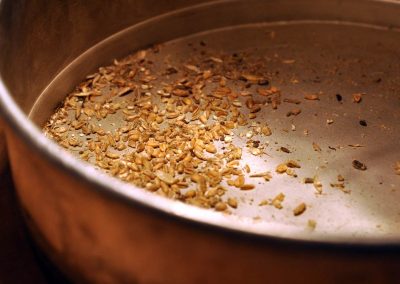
316 147
152 186
282 168
299 209
284 149
232 202
312 97
247 187
220 206
277 201
292 101
312 224
210 148
294 112
180 93
308 180
357 98
293 164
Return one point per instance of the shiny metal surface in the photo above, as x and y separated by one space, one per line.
103 230
323 62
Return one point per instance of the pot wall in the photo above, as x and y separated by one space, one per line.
96 238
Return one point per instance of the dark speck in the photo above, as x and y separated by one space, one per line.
339 97
263 82
363 122
359 166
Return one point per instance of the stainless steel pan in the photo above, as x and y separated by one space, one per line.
101 230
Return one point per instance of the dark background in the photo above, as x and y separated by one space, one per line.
20 260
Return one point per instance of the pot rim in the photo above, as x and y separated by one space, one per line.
168 208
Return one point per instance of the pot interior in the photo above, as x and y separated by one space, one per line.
337 60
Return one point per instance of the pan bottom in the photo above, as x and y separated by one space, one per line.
343 79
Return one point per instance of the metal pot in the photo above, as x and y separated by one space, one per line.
98 229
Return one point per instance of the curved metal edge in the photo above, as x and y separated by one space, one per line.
164 207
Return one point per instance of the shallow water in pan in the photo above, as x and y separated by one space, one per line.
304 58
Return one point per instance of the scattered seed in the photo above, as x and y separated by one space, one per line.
232 202
299 209
316 147
220 206
166 141
397 168
165 177
317 185
312 224
180 93
308 180
277 201
357 98
294 112
292 101
356 145
312 97
282 168
247 187
210 148
293 164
